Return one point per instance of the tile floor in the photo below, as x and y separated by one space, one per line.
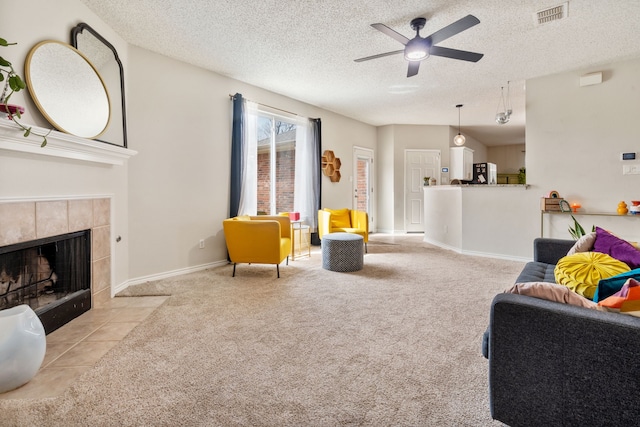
77 346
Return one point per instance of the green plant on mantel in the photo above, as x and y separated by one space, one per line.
14 83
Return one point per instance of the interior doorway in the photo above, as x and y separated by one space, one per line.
363 195
417 165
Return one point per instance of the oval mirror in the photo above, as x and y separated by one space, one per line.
67 89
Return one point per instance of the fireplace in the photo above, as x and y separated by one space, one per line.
34 233
51 275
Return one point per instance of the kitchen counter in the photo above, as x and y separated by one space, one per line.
478 186
482 219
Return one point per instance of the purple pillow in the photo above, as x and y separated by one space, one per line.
619 249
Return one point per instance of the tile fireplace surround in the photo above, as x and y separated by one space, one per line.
22 220
30 220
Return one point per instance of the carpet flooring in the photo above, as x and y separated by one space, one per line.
395 344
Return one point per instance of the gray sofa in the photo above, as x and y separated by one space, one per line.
554 364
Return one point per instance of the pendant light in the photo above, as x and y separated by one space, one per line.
503 116
459 139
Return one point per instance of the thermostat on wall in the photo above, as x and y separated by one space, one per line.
628 156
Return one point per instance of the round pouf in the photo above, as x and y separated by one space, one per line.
22 346
342 252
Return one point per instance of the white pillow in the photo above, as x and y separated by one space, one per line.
551 292
583 244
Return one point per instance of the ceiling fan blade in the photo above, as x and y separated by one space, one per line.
455 54
452 29
414 66
391 33
380 55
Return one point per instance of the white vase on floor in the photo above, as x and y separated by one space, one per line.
22 346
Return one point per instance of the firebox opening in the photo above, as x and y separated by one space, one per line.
51 275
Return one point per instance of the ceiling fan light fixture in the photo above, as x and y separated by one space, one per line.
416 50
459 139
420 48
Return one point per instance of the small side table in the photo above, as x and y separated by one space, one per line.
297 227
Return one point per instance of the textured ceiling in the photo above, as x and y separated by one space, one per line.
306 50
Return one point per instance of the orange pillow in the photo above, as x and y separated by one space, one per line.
340 218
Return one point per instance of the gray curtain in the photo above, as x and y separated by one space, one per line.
237 132
317 173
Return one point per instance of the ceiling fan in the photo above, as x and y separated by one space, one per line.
420 48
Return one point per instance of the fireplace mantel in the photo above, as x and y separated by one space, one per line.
60 144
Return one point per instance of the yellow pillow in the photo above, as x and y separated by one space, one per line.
340 218
582 271
243 218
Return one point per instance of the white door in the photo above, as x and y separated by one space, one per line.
363 182
417 165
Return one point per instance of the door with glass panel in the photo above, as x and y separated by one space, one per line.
363 183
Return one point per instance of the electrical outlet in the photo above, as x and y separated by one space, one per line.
201 246
631 169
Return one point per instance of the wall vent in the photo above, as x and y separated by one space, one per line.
551 14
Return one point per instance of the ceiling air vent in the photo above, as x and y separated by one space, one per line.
552 14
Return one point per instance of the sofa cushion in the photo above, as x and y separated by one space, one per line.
551 292
584 244
340 218
620 249
609 286
582 271
535 271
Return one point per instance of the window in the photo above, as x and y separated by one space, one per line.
276 160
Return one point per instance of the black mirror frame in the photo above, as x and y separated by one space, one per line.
78 29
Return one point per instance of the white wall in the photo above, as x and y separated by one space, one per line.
508 158
414 137
393 140
574 139
384 179
179 181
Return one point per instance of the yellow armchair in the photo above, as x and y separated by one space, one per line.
261 239
343 221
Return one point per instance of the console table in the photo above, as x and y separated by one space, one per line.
610 214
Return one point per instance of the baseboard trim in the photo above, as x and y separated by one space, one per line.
152 277
474 253
391 231
496 256
442 245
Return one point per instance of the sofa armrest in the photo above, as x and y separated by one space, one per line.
550 250
557 364
360 220
324 223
